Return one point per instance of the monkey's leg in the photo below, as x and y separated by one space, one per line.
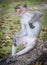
25 50
14 46
13 56
16 43
29 44
14 50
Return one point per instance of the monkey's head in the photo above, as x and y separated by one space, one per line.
20 8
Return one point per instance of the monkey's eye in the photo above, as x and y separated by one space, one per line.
17 7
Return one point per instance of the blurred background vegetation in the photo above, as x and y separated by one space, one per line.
9 24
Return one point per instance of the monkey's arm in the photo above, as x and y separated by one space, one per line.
36 16
22 31
24 50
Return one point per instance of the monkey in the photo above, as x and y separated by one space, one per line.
30 29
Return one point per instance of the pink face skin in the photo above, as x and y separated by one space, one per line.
18 11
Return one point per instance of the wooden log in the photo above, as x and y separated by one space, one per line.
33 55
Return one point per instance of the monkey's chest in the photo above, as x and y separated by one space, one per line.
28 30
26 17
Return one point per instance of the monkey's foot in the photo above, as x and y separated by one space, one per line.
11 60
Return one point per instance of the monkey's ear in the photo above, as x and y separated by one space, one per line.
25 5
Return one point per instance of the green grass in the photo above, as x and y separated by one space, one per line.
44 25
22 1
4 51
20 47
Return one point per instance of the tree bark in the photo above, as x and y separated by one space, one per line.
33 55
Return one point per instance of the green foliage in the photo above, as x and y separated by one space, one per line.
20 47
4 51
30 2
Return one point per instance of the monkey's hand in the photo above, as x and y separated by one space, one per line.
31 25
11 60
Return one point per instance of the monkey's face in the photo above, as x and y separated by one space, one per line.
18 11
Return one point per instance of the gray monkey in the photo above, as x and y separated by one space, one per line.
30 28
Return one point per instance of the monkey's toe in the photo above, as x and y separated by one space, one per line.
13 59
8 61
